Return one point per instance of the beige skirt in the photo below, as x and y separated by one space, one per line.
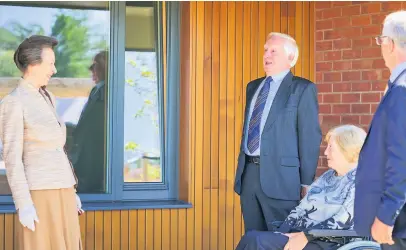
58 227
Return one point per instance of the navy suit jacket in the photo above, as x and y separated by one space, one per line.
290 140
380 189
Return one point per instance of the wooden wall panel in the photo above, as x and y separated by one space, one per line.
222 46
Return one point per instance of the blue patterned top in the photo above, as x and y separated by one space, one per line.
329 204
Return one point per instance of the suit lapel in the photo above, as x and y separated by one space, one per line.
279 101
41 97
51 106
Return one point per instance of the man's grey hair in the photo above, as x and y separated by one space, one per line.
290 46
394 26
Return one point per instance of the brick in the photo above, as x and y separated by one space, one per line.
324 45
341 87
351 97
362 64
324 87
331 98
320 98
370 97
342 65
324 108
352 54
359 2
319 57
378 64
341 108
350 119
391 6
332 76
378 18
351 10
366 119
324 24
361 20
361 42
370 8
331 13
332 55
350 32
342 22
351 76
324 66
360 108
371 75
331 34
342 44
319 14
379 86
319 36
331 119
386 74
361 86
374 106
322 5
341 3
319 77
373 30
373 52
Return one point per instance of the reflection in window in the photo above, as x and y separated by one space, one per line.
80 84
142 134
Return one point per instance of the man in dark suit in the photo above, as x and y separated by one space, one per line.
380 191
87 154
281 138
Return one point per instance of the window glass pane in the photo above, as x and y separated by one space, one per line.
142 136
80 85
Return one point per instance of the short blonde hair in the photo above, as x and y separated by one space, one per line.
349 139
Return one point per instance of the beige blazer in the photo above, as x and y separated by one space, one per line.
33 139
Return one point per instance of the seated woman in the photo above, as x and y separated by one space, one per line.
328 204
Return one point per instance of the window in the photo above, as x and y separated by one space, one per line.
142 161
81 62
122 120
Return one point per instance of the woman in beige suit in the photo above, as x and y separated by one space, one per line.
39 173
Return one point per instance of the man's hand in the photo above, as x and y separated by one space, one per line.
28 216
297 241
381 232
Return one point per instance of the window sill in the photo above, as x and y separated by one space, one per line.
119 205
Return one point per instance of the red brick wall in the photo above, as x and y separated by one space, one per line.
350 72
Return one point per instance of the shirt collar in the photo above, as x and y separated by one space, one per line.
280 76
99 84
397 71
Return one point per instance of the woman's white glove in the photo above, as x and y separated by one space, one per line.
79 205
28 216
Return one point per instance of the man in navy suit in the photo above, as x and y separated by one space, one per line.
281 138
381 177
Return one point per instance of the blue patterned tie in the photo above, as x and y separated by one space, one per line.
256 117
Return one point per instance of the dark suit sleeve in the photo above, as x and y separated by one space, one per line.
394 196
309 134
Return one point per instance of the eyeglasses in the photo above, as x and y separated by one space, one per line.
380 39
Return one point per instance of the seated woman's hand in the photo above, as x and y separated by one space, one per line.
297 241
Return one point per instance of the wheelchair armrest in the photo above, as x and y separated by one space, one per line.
332 233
